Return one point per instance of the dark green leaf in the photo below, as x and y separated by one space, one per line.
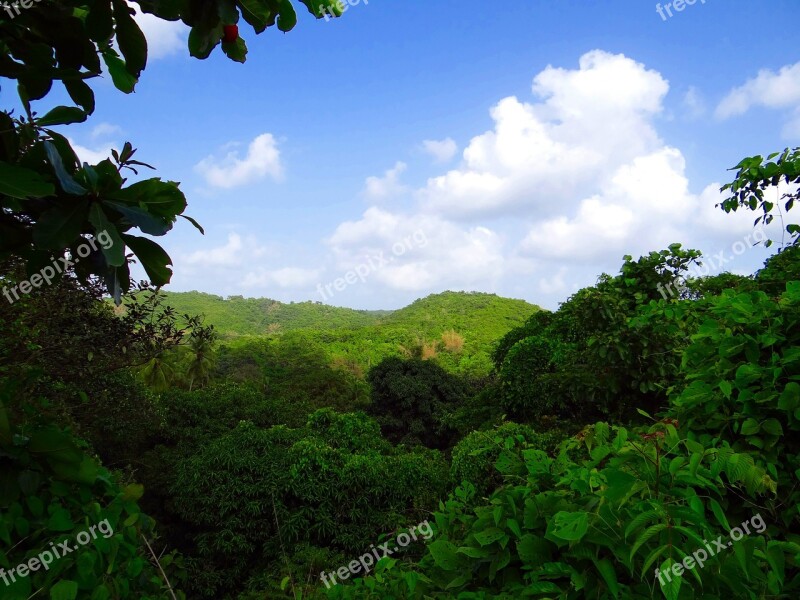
21 183
153 258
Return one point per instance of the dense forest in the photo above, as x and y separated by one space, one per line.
607 440
630 444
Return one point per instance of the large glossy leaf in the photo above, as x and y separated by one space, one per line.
99 21
61 225
138 217
153 258
236 51
22 183
64 178
162 198
81 94
123 80
202 40
569 526
130 39
288 17
115 251
62 115
257 13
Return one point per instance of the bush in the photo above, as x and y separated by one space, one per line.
254 494
412 400
474 457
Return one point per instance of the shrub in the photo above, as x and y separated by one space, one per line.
412 400
254 494
474 457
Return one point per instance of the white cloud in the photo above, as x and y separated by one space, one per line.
556 192
287 277
694 103
234 253
554 284
91 155
105 130
381 188
650 193
768 89
587 123
263 159
418 252
164 38
227 255
442 151
792 127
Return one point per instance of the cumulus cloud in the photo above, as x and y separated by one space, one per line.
263 159
587 122
649 194
417 252
558 190
387 186
768 89
233 253
442 151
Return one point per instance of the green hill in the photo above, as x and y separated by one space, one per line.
482 318
236 315
456 329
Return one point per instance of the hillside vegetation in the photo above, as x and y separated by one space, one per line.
457 330
236 315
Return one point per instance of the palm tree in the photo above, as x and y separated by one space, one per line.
203 359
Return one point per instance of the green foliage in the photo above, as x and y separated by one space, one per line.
294 367
743 365
593 357
238 316
412 399
361 339
714 285
778 269
52 491
754 176
596 521
616 506
474 457
253 494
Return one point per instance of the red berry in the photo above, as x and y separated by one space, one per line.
230 33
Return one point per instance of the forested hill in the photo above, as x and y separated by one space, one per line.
236 315
485 316
457 330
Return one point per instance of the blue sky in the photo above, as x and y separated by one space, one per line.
520 148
